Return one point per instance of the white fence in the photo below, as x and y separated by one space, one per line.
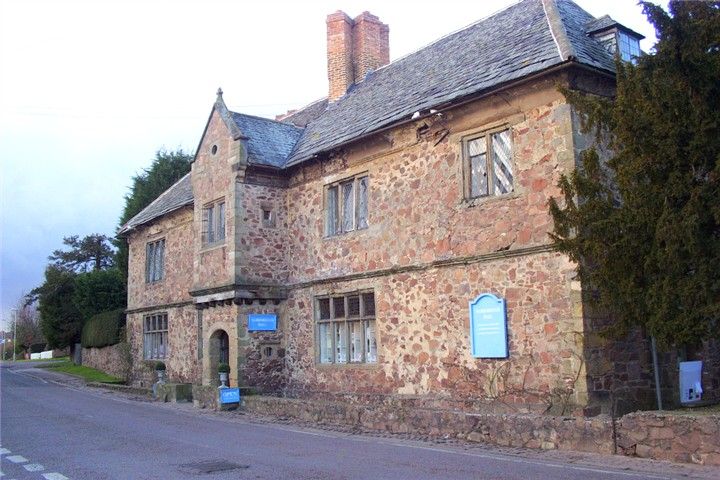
41 355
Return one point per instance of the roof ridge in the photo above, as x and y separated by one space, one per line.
557 30
301 109
266 119
125 228
461 29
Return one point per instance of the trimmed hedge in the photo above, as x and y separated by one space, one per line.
103 329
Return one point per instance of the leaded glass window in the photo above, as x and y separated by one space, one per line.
346 328
489 164
346 206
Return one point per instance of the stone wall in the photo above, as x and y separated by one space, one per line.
673 437
428 251
678 438
424 343
182 356
177 230
113 360
213 179
416 206
264 242
257 359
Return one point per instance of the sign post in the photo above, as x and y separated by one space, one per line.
488 327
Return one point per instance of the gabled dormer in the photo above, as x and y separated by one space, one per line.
615 37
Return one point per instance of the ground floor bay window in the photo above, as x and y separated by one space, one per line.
345 328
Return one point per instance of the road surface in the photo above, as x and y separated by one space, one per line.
53 430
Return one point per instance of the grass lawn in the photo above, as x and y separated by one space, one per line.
86 373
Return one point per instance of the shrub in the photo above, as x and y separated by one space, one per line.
223 368
160 366
103 329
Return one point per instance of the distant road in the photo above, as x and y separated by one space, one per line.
55 432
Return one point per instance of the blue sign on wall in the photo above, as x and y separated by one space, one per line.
262 322
488 327
229 395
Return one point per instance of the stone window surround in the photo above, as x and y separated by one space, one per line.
361 318
492 126
267 215
487 136
358 223
155 260
214 215
155 336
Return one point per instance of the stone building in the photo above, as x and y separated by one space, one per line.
368 222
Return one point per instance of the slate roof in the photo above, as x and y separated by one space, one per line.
522 39
605 22
601 23
307 114
269 142
525 38
177 196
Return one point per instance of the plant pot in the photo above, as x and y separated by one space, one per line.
223 380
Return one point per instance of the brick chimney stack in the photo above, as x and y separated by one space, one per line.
354 47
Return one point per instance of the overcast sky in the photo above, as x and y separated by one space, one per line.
89 90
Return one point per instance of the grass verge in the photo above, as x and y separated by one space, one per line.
86 373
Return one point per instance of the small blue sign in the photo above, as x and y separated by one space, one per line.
488 327
229 395
262 322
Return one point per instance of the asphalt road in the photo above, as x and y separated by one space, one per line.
54 431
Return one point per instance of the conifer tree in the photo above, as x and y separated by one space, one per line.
644 227
167 168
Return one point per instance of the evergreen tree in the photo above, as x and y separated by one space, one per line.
60 320
644 227
99 291
166 169
92 252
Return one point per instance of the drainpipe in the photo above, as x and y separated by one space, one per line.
657 373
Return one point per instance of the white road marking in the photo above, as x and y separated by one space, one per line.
33 467
55 476
4 451
16 459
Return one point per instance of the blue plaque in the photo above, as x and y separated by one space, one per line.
229 395
488 327
262 322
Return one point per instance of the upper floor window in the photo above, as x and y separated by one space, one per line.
346 205
346 328
155 261
213 222
488 164
629 47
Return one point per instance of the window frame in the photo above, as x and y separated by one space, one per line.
154 262
338 225
627 46
487 135
155 339
364 320
214 218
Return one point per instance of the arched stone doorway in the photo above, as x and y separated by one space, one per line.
219 352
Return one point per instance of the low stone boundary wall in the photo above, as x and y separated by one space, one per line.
655 435
111 360
687 438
